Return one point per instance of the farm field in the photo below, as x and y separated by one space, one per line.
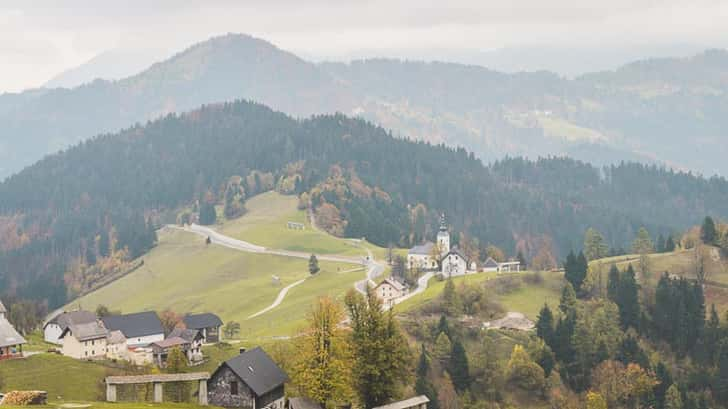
184 274
265 224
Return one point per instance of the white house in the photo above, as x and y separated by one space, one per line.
140 329
490 265
420 257
85 341
116 346
53 329
389 290
454 264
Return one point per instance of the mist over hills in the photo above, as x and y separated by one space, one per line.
670 110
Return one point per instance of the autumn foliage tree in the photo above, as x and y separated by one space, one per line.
322 367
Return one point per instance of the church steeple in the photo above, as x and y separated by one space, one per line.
443 236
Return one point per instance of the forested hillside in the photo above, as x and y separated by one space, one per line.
670 111
85 211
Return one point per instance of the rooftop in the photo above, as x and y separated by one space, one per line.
407 403
86 331
135 325
8 335
257 370
204 320
422 249
171 342
65 319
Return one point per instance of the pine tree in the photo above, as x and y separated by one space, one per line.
443 326
660 244
628 299
381 356
313 265
594 245
458 367
712 336
720 385
208 215
423 385
664 380
450 304
669 245
545 325
522 260
567 304
443 348
708 232
613 284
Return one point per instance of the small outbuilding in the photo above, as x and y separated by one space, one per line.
418 402
11 343
250 380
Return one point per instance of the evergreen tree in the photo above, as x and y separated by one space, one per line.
631 352
381 356
313 265
208 215
712 336
563 348
660 244
442 348
522 260
443 326
643 243
613 284
423 385
594 245
669 245
458 367
567 304
664 380
545 325
450 302
708 232
720 384
628 299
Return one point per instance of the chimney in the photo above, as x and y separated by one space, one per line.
242 350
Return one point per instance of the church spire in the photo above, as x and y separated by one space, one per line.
443 224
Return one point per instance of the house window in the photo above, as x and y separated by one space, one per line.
234 388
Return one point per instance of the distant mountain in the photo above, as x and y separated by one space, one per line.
671 111
113 64
75 215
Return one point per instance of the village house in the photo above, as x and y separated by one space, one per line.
208 324
250 380
54 327
140 329
454 263
116 346
194 337
11 342
389 290
418 402
491 265
420 257
85 341
161 350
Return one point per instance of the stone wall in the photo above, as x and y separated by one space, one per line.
218 390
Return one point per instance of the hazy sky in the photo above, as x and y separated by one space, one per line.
39 40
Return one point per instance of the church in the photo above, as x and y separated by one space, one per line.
448 261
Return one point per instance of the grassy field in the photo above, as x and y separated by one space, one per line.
37 343
527 299
63 378
184 274
265 224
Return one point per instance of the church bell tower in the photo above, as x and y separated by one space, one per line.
443 237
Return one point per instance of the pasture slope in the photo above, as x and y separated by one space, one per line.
184 274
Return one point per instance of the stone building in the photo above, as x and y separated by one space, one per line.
250 380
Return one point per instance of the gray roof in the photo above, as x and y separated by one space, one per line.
86 331
8 335
116 337
187 334
135 325
303 403
394 283
407 403
64 320
422 249
456 252
257 370
490 263
200 321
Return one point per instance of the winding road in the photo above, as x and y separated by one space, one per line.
373 267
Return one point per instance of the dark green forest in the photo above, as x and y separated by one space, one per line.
72 201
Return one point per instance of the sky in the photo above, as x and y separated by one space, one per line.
40 39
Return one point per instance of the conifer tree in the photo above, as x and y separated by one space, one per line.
664 381
449 298
545 325
567 304
643 243
708 232
628 299
423 385
669 245
613 283
443 348
381 356
720 385
443 326
458 367
313 265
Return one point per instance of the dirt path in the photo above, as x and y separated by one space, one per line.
278 300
